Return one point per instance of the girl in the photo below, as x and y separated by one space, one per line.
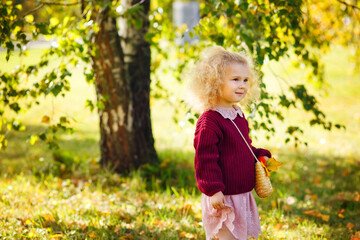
224 165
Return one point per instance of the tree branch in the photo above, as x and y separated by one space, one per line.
348 4
139 3
33 10
64 4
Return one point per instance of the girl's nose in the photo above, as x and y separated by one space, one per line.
242 85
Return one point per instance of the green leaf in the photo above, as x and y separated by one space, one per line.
100 105
15 107
56 89
89 104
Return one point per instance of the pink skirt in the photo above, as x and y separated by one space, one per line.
240 216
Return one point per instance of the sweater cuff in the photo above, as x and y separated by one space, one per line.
211 191
263 152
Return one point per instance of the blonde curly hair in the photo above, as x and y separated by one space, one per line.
206 80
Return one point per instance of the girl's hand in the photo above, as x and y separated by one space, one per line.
218 200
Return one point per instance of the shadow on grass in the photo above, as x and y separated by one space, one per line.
22 157
78 157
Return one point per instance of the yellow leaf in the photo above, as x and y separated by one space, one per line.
33 139
10 169
56 236
273 164
340 215
325 217
28 222
19 6
29 18
266 169
45 119
92 235
48 217
158 17
54 21
32 233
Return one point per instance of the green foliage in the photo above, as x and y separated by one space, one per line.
268 30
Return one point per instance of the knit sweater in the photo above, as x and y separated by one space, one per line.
223 162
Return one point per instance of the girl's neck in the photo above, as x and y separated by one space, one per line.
225 106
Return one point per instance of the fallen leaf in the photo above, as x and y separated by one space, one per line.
317 180
262 216
56 236
188 235
48 217
310 213
45 119
273 204
126 237
32 234
325 218
357 197
350 226
29 222
340 215
314 196
278 226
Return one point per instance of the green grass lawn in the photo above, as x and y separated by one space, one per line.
65 194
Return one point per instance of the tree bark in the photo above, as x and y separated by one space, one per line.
122 77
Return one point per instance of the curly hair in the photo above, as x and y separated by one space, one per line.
206 78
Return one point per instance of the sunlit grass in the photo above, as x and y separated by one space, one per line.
67 195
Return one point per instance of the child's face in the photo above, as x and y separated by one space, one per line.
235 84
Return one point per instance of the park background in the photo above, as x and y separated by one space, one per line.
66 194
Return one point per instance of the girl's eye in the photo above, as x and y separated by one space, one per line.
235 79
245 80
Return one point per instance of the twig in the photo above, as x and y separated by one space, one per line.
139 3
33 10
348 4
62 4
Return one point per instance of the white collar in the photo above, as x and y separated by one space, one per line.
229 113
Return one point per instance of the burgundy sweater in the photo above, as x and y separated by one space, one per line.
223 162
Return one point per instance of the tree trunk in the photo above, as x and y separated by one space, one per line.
122 76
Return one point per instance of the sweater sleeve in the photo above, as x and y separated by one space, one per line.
258 151
207 171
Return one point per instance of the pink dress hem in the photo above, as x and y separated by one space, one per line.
240 216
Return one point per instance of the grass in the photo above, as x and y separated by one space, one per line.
67 195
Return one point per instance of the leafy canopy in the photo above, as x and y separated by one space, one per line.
267 29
